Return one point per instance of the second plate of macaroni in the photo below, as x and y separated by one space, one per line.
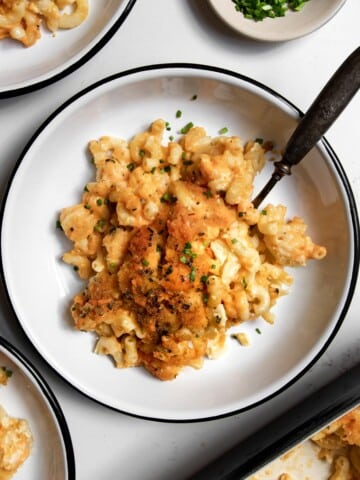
166 262
42 41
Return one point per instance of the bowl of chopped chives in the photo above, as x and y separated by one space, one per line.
276 20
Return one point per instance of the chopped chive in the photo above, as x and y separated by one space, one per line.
178 114
145 262
100 225
142 153
192 274
234 240
58 224
167 198
186 128
257 10
99 202
263 212
223 130
130 166
257 330
194 97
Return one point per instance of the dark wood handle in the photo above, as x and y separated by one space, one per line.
325 109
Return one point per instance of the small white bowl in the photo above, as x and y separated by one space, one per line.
51 174
293 25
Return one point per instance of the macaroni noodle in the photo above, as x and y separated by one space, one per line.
340 444
21 19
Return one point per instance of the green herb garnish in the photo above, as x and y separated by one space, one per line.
257 10
192 274
187 127
100 225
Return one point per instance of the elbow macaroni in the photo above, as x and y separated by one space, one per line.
21 19
16 438
173 250
340 444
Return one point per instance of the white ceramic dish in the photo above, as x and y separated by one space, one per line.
315 14
51 174
28 396
53 57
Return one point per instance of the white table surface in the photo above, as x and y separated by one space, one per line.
109 445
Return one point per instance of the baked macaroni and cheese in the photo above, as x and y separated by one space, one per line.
172 249
21 19
15 437
340 445
15 444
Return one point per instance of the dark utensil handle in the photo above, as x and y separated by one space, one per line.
325 109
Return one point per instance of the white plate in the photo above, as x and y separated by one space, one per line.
293 25
53 57
28 396
51 174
